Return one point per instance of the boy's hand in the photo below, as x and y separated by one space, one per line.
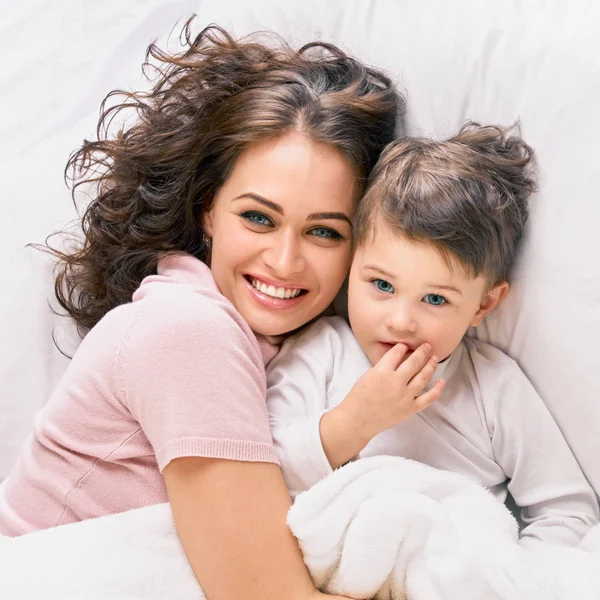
391 391
382 398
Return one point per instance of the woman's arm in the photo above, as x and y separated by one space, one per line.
231 517
194 380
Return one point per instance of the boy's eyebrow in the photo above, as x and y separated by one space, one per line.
340 216
380 271
450 288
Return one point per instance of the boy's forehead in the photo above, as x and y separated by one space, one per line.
398 255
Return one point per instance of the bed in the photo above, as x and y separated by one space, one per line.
536 62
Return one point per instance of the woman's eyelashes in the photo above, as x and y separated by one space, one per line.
326 233
257 218
262 221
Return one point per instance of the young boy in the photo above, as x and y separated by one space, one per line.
434 239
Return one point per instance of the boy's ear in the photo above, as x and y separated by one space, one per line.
491 299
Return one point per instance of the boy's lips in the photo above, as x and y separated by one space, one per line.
387 346
410 347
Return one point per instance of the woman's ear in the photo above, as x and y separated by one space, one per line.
207 222
491 299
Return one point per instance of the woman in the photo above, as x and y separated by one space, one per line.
221 218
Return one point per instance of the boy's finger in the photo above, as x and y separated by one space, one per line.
423 377
414 363
392 359
430 396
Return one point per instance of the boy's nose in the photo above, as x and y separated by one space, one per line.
400 320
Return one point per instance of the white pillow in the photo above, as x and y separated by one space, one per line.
487 61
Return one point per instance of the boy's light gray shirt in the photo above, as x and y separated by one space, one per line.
489 424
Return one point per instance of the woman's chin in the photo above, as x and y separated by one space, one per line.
276 326
274 332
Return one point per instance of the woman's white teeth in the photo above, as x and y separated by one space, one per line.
271 290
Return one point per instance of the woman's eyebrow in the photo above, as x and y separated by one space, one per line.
262 200
312 217
330 215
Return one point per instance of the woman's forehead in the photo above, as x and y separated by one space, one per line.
296 174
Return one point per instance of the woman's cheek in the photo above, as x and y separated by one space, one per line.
338 267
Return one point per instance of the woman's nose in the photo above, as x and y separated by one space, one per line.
284 256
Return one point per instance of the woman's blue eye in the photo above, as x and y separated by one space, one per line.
326 233
257 218
435 299
383 286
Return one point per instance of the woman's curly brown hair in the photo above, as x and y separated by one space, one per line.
153 180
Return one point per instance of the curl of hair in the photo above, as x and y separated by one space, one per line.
469 195
153 180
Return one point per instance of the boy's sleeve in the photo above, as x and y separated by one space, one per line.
558 505
296 401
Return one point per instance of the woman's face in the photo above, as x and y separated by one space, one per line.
280 229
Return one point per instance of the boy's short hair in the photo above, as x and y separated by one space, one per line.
468 195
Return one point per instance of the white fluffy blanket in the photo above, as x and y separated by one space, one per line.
381 527
391 528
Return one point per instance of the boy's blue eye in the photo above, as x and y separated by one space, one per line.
256 218
383 286
326 233
435 299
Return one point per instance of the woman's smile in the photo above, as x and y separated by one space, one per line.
273 296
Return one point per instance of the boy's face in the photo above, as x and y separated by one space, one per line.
403 291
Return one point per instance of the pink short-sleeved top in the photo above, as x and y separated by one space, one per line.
177 372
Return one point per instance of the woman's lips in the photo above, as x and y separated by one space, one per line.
274 303
275 289
267 281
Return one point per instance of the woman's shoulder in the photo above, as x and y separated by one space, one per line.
185 313
176 318
183 334
168 313
183 295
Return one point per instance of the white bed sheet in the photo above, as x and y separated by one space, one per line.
538 61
